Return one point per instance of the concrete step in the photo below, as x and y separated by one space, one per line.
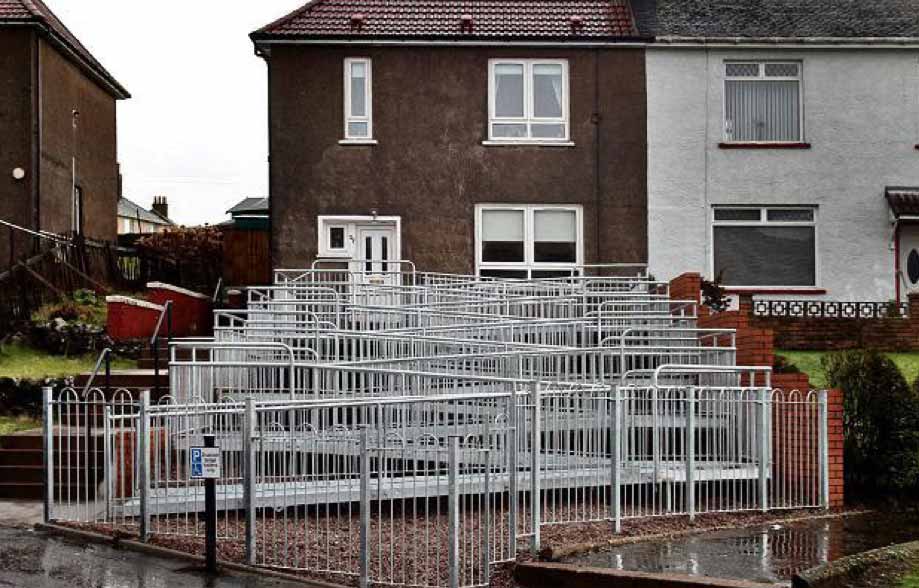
25 474
22 491
21 457
21 441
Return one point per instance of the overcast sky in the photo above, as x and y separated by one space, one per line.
195 129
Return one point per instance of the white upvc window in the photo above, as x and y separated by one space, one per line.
528 100
528 240
358 99
763 102
765 247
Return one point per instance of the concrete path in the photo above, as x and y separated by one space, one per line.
29 558
20 513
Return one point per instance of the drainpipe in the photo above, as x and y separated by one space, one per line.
35 168
597 119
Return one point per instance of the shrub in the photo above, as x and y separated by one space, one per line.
781 365
72 326
82 306
880 422
713 294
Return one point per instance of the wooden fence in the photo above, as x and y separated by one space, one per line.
47 268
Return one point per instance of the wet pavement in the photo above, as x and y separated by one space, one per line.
34 560
771 553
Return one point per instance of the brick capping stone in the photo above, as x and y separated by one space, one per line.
133 302
176 289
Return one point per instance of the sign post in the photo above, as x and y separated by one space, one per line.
205 465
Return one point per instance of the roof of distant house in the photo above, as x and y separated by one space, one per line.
778 19
129 209
489 20
37 13
250 206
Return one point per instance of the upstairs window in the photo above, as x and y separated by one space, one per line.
762 102
765 247
528 100
358 104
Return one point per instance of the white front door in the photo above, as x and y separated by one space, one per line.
909 257
376 250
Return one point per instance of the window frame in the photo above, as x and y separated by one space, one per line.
368 98
761 76
528 118
352 225
529 265
763 222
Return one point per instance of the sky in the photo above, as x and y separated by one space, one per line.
196 127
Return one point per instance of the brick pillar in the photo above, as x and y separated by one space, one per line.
913 306
836 445
686 286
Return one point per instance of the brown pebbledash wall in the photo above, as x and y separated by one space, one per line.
430 167
16 132
94 143
38 84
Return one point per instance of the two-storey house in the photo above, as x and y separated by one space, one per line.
506 138
58 156
782 144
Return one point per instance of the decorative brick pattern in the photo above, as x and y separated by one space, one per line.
833 334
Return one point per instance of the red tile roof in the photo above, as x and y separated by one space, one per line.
501 20
36 12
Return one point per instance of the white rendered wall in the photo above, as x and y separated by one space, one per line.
861 117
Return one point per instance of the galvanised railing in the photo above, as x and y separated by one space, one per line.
410 431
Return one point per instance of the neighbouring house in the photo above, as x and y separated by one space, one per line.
249 213
782 144
479 136
134 219
58 160
246 243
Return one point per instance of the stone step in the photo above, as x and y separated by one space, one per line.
22 491
21 457
31 441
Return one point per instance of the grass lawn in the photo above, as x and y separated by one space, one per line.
911 579
18 361
809 362
12 424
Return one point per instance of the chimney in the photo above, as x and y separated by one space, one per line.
160 206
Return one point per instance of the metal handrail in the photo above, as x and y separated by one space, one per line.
166 314
105 356
217 290
40 234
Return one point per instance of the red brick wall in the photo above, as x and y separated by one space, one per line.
756 347
827 334
127 321
191 313
836 446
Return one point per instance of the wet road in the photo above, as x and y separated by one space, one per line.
33 560
772 553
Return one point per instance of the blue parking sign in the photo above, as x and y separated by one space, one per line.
197 462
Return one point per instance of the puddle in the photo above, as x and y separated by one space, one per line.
772 553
